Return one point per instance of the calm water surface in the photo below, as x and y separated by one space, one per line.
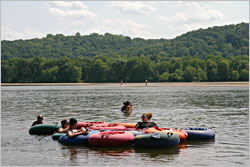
223 109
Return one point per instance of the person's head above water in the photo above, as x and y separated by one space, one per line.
65 123
126 103
40 118
127 108
146 117
73 123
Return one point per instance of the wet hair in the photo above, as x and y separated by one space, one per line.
64 121
123 108
148 115
39 116
126 103
72 121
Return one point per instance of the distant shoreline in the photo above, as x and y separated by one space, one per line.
150 84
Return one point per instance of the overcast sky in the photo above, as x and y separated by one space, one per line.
145 19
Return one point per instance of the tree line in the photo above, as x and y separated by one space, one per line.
228 41
127 69
219 53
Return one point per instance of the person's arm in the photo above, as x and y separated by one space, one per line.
61 130
70 134
86 131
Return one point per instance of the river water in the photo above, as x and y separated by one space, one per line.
223 109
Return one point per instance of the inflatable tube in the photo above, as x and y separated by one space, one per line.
56 136
110 126
182 134
78 140
199 133
135 132
89 124
156 140
44 129
127 125
111 139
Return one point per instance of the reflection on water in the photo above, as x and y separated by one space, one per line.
223 109
73 153
154 153
113 151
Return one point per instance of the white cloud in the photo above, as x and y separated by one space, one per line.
134 7
74 9
195 12
72 4
8 33
195 15
224 3
186 27
71 13
123 26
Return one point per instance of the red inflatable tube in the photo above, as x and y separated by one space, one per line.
89 124
117 127
111 138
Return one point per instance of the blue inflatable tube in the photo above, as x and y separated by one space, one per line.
199 133
78 140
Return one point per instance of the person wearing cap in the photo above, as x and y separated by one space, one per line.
127 108
38 121
72 131
145 122
65 126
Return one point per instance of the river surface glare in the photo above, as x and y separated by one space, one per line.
223 109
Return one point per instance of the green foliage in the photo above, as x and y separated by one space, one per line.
138 69
117 71
164 77
189 74
244 75
223 70
235 76
98 71
213 54
133 69
50 75
229 40
176 76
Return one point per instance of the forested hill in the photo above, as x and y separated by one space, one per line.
227 41
213 54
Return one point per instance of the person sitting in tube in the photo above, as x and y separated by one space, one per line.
127 108
72 131
65 126
38 121
145 122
